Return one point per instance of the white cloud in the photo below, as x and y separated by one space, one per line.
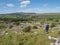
19 0
57 7
24 3
31 10
10 5
3 10
46 4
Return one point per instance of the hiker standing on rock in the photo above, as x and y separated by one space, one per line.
47 28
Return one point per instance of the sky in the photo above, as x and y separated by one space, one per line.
34 6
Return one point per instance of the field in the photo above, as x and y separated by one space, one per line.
28 29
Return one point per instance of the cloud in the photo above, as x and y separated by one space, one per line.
35 10
19 0
24 3
10 5
46 4
57 7
3 10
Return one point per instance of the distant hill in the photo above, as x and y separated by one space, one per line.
19 13
22 13
50 14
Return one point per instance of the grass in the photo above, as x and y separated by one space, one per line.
1 27
41 38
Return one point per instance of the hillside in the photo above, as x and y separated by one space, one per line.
19 13
23 13
29 28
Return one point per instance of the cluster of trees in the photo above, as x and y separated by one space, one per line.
14 19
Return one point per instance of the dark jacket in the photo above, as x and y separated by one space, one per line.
47 27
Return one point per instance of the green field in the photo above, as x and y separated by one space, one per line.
37 37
